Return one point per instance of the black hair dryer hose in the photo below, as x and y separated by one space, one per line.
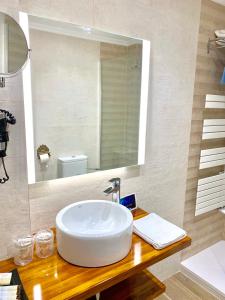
5 119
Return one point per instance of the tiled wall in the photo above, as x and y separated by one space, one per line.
113 102
14 201
160 183
207 228
120 101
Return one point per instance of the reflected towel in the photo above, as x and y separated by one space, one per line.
157 231
223 77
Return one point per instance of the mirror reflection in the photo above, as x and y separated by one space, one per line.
86 91
13 46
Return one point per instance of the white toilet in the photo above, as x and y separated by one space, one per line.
72 165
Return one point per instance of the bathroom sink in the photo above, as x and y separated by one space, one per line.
94 233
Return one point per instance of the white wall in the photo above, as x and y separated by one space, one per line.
14 201
65 89
172 27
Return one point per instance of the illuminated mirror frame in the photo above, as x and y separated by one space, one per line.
27 91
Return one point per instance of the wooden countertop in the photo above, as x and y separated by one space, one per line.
54 278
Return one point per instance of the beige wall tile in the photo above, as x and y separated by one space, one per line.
208 228
14 201
78 12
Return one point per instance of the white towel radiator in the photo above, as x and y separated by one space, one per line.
211 190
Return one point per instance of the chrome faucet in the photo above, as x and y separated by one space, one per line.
114 189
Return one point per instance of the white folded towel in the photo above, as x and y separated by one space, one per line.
157 231
220 33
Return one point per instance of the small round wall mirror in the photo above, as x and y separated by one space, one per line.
13 47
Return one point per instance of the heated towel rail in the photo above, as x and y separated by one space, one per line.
211 190
210 194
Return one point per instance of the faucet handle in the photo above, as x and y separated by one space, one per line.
108 191
115 180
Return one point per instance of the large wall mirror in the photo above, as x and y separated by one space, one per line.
87 105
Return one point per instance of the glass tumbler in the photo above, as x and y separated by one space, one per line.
44 243
24 247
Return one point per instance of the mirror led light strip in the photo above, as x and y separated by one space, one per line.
23 20
144 101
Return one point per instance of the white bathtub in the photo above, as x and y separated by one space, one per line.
208 268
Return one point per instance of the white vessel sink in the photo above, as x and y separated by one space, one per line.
94 233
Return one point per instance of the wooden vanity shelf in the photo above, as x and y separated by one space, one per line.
54 278
141 286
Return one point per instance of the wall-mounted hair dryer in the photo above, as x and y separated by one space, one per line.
5 119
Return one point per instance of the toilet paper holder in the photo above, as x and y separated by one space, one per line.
43 149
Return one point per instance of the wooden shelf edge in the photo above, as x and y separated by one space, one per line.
67 281
143 285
